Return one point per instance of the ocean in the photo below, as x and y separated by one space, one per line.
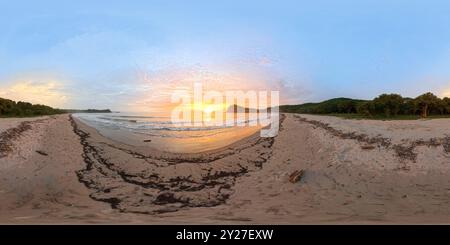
159 132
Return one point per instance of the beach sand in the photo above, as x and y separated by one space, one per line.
59 170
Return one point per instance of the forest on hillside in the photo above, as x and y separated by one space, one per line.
386 105
10 108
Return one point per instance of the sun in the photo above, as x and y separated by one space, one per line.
209 108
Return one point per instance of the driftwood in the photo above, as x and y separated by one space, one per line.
367 147
296 176
42 153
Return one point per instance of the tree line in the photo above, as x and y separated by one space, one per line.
387 105
394 104
10 108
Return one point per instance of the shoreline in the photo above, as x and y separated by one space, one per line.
84 177
156 150
185 142
203 181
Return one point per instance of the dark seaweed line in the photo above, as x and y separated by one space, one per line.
200 159
11 134
210 180
402 151
89 149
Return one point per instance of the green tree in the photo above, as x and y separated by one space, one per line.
425 102
389 104
446 102
347 106
441 107
408 107
366 108
6 107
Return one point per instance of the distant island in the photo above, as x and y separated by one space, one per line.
88 111
10 108
385 106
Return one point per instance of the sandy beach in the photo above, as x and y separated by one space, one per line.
56 169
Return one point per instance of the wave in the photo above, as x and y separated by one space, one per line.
134 124
137 117
119 119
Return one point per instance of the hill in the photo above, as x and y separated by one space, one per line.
383 106
88 111
10 108
337 105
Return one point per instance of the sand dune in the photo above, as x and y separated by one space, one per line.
59 170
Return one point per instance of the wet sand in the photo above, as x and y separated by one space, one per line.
174 141
59 170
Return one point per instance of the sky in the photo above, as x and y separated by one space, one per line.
128 55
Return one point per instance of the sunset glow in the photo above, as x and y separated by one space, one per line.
446 93
37 92
258 113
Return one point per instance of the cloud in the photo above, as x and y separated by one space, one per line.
47 92
153 89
